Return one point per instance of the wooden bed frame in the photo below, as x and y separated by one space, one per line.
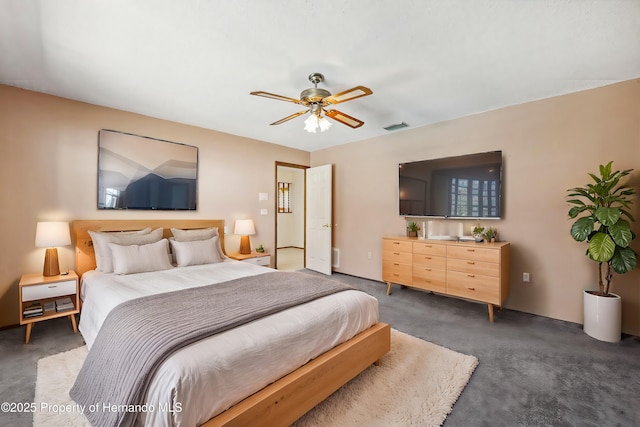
290 397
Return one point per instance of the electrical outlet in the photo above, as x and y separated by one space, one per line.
368 255
526 277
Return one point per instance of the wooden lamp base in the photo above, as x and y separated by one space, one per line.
51 265
245 245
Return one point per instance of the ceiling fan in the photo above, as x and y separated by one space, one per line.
316 99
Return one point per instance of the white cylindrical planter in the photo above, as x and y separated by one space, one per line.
603 317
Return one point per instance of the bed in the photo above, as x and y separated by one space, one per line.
276 401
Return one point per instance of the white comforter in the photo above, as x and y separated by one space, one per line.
205 378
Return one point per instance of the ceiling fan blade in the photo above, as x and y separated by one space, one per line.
348 95
274 96
293 116
343 118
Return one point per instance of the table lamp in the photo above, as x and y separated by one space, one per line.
49 235
245 228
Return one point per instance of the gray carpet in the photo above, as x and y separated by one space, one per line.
533 371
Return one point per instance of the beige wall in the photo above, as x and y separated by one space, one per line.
48 157
548 146
48 152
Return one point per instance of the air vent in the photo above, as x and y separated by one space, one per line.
396 126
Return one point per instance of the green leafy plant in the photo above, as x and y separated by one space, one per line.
490 233
604 222
412 226
477 231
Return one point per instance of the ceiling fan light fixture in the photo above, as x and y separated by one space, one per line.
315 122
324 124
311 124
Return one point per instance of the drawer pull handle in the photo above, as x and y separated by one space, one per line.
52 286
472 289
396 274
427 269
471 250
396 253
471 275
470 262
396 264
396 243
427 257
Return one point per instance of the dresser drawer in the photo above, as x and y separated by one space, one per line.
396 272
48 290
476 253
398 257
429 249
433 279
430 261
474 286
474 267
396 246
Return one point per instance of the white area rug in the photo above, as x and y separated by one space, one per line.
416 384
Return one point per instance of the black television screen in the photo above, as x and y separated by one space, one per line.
466 186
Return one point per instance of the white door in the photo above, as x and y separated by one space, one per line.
319 218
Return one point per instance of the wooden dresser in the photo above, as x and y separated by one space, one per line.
475 271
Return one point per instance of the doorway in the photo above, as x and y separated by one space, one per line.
290 211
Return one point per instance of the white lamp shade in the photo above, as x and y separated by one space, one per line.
52 234
244 227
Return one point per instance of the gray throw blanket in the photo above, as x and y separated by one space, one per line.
138 335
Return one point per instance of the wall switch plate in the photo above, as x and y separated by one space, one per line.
263 196
526 277
264 211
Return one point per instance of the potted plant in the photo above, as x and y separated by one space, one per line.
602 209
260 249
490 235
412 229
476 232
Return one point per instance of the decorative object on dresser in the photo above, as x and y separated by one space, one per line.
41 291
258 258
602 207
490 235
460 269
50 235
478 233
245 228
412 229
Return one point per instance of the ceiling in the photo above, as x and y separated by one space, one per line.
195 61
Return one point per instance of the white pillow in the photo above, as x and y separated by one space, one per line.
196 252
130 259
191 235
101 249
101 240
198 234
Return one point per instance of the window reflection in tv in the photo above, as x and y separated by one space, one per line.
466 186
138 172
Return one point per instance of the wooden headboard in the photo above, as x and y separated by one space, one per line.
86 257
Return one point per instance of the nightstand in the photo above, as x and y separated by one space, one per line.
258 258
38 289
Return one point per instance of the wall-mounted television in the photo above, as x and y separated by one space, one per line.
468 186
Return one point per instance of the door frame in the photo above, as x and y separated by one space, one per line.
275 209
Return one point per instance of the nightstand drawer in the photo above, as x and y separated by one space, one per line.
263 260
48 290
